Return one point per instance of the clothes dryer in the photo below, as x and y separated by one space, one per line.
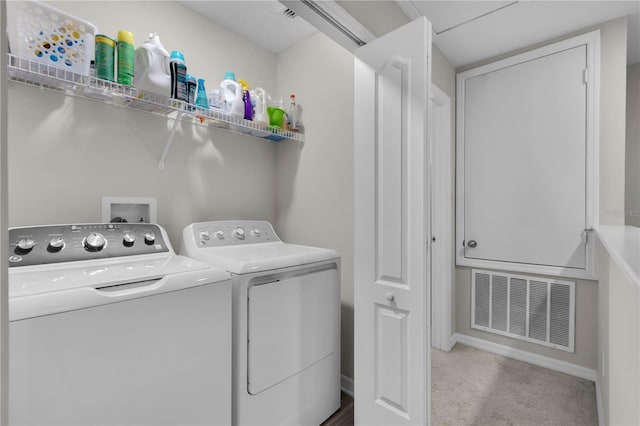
286 321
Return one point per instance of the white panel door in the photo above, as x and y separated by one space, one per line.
525 162
392 79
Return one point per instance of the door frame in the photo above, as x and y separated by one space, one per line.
442 261
4 244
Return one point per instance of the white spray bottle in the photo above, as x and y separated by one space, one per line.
261 115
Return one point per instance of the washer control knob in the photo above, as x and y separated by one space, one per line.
255 232
238 233
205 235
128 239
55 245
149 238
94 242
25 245
219 235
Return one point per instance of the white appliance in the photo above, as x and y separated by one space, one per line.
286 321
109 326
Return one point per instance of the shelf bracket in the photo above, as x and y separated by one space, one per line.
170 140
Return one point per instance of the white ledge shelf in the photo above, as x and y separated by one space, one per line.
30 72
623 244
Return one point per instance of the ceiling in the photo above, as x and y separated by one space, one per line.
465 31
470 31
260 21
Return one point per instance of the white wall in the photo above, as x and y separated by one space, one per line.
619 343
4 287
612 100
68 152
632 169
315 179
613 81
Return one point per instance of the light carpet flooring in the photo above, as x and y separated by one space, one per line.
472 387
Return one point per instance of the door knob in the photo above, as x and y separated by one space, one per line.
389 296
472 244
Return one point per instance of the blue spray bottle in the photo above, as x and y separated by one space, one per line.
201 98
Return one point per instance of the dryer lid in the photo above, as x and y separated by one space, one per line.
251 258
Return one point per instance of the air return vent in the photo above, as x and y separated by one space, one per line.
288 13
526 308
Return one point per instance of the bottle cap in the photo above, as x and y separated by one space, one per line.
177 56
101 38
189 77
244 84
230 76
126 36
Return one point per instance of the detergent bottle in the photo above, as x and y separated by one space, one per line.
261 115
152 67
246 99
179 86
232 95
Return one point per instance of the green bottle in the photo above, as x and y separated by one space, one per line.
125 57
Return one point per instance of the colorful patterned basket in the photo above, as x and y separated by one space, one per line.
44 34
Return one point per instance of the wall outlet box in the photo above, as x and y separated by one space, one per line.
129 209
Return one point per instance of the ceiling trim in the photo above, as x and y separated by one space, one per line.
477 17
409 9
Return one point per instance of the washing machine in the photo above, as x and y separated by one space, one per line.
286 321
108 326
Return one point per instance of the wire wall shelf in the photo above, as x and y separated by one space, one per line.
38 74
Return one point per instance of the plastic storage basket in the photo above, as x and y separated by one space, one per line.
47 35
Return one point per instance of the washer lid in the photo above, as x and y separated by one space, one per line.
36 291
250 258
32 280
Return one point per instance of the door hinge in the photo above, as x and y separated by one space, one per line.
585 75
586 234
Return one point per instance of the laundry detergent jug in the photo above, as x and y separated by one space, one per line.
232 95
152 67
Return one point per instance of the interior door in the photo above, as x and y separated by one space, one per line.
525 161
392 312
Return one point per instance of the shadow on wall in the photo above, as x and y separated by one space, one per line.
347 339
288 158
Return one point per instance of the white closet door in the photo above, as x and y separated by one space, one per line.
525 130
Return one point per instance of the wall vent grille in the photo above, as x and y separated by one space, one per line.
525 308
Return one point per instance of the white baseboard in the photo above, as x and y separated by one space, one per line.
531 358
599 402
452 341
346 384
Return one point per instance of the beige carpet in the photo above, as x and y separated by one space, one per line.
472 387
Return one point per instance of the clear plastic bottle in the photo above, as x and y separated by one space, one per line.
292 116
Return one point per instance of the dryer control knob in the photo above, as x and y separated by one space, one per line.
219 235
238 233
55 245
255 232
128 239
94 242
25 245
149 238
205 235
